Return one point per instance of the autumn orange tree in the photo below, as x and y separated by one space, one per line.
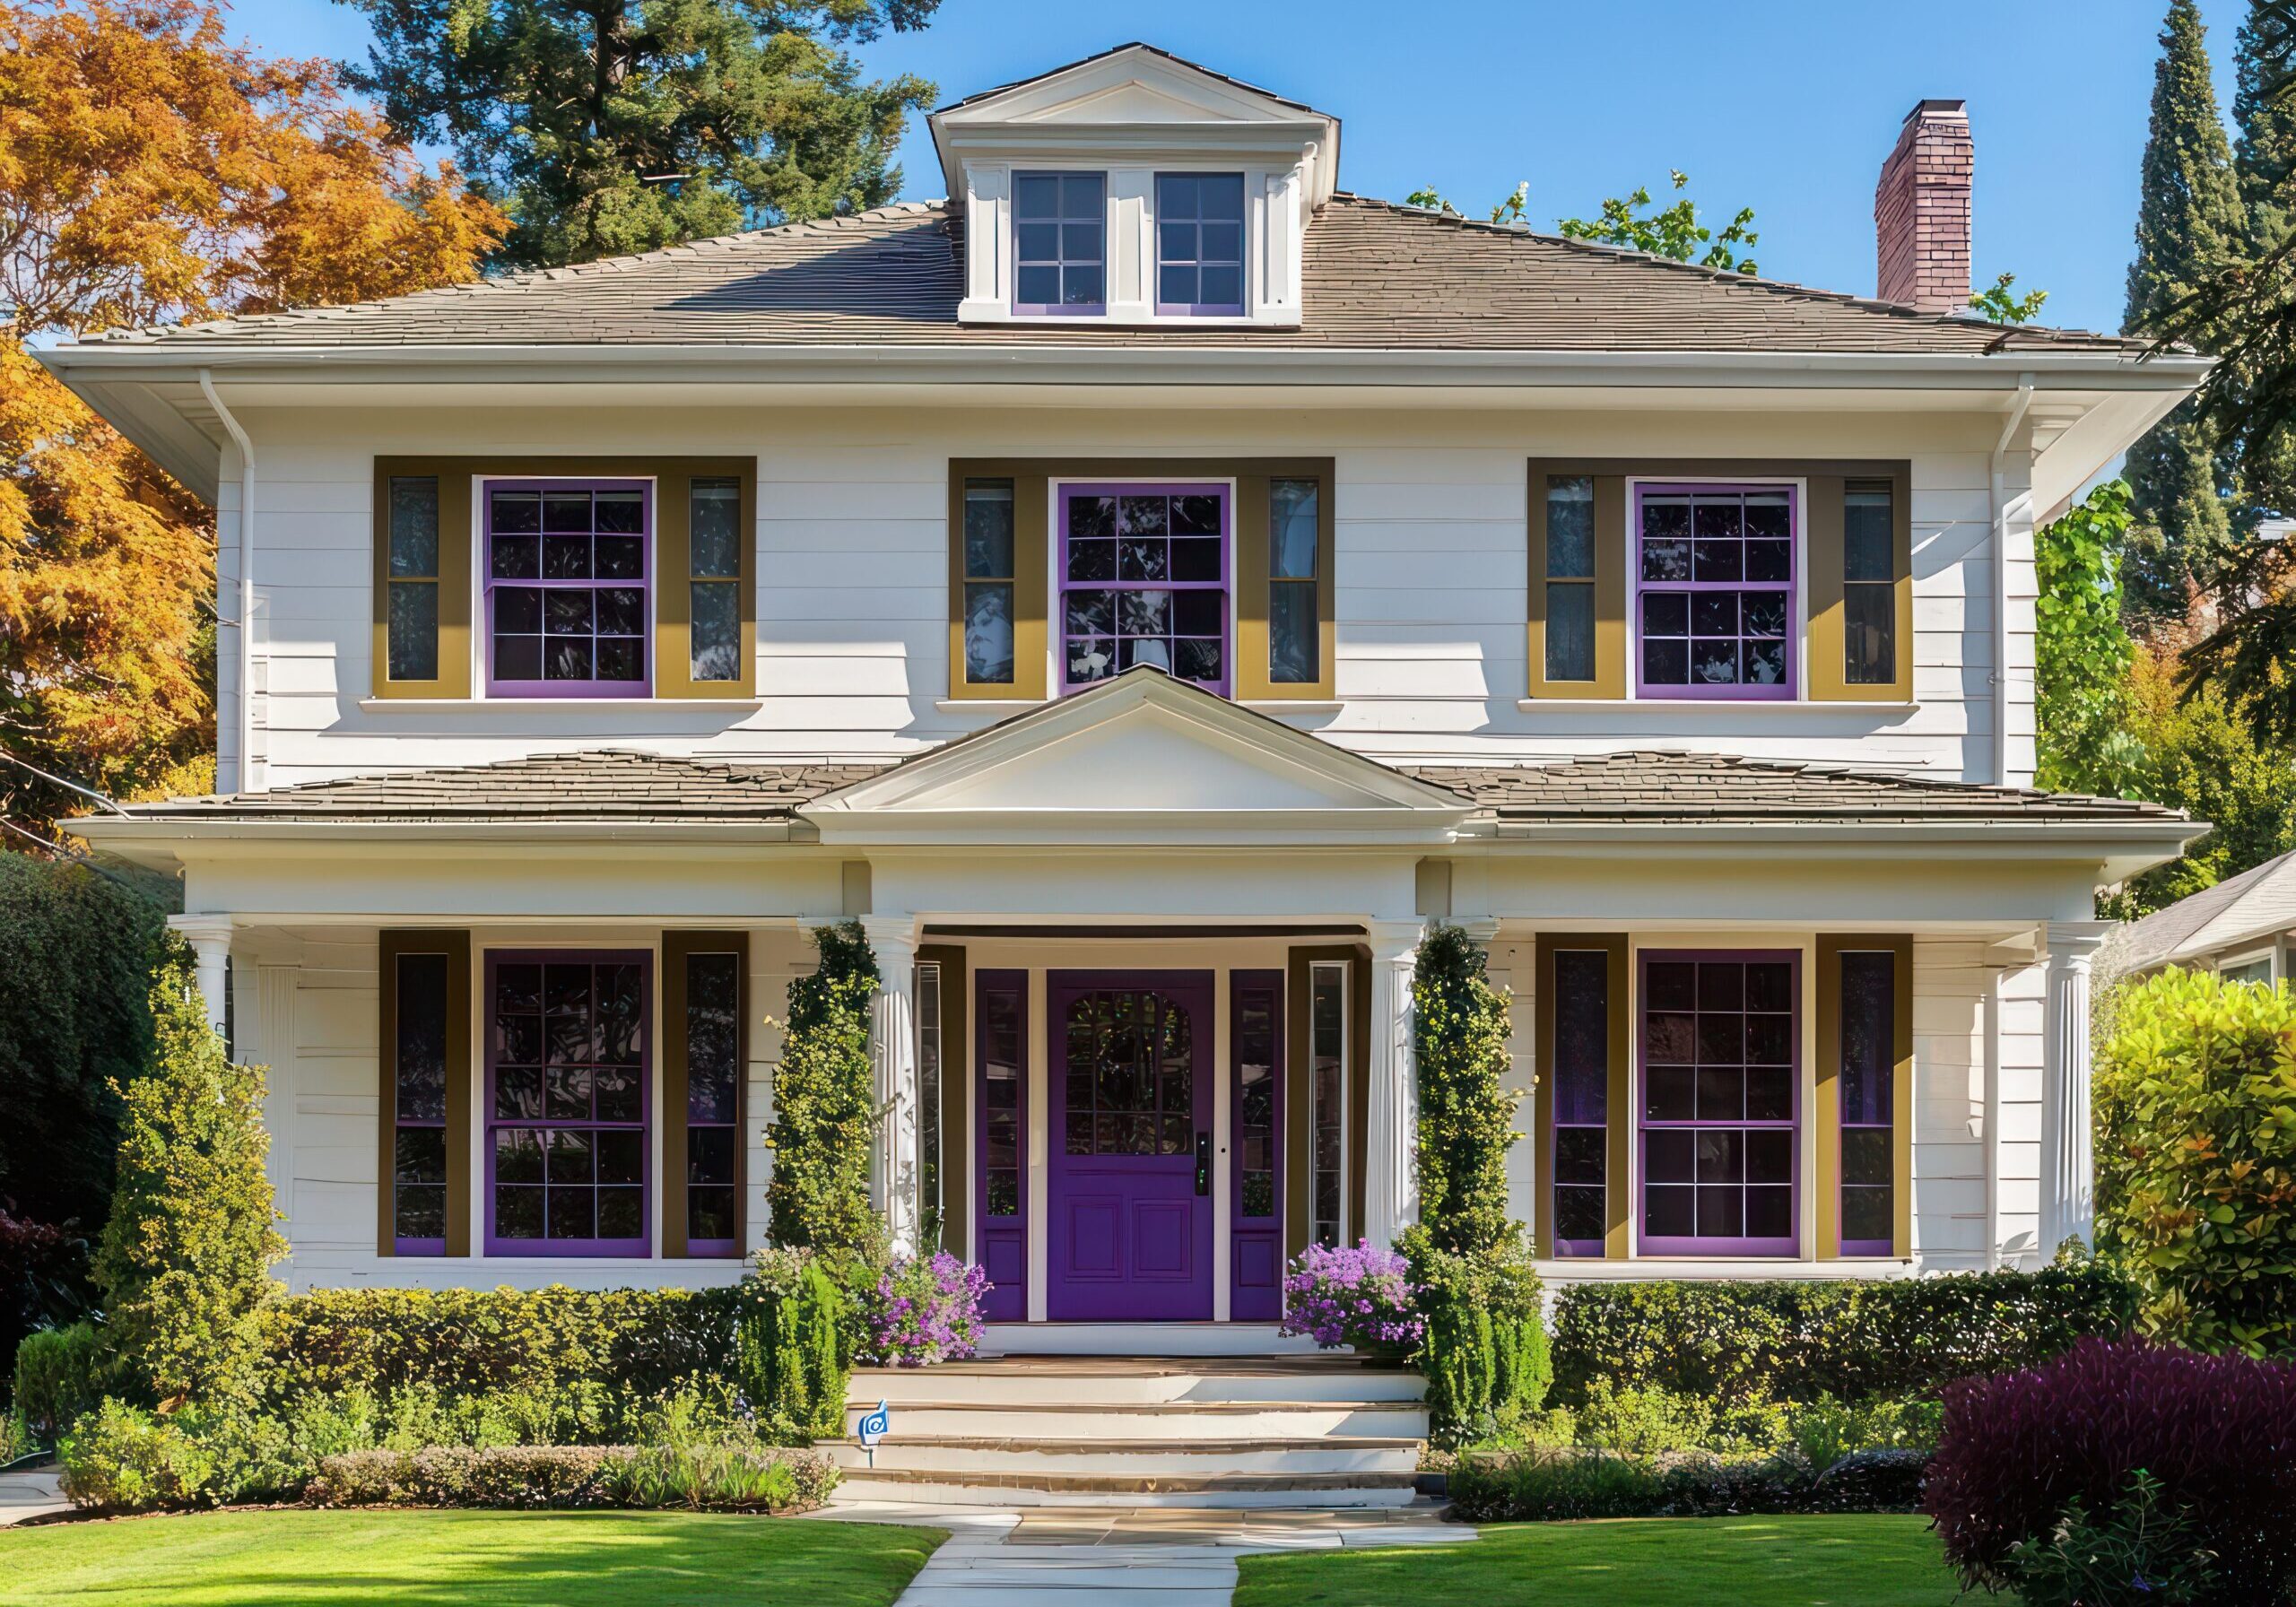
153 171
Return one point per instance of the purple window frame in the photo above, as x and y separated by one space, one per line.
1069 493
496 687
1197 259
1570 1115
1061 261
1787 689
1880 1112
643 1245
1790 1244
1002 1237
1252 1237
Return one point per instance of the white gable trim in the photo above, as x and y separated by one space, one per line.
1142 758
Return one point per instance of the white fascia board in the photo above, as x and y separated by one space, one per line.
1256 829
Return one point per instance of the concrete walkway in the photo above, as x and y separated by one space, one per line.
1156 1556
33 1494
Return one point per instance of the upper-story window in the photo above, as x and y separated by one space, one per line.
1200 244
1059 243
566 607
1714 569
1144 579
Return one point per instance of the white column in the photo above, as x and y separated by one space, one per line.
892 1044
210 937
1391 1127
2068 1173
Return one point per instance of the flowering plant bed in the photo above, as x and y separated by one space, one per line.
924 1310
1361 1297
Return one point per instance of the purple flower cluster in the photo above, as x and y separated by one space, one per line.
1361 1297
925 1311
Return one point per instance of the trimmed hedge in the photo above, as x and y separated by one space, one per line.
1575 1483
1486 1353
576 1478
1851 1339
481 1340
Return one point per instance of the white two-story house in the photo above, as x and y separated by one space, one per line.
1148 589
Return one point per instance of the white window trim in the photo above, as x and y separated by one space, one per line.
1346 1055
2247 957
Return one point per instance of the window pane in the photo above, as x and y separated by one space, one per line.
989 532
1869 637
1715 565
716 630
1866 538
715 517
1719 1135
415 525
413 630
1292 512
988 632
1570 529
421 1035
1868 1032
1292 642
1570 631
1327 1092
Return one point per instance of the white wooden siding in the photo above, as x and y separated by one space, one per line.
850 543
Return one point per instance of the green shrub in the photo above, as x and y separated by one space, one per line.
121 1458
1849 1339
2196 1101
1486 1353
1578 1483
794 1345
1825 1431
2142 1554
478 1341
185 1258
726 1476
825 1114
61 1373
1460 1026
17 1440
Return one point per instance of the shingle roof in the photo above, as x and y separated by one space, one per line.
600 785
1710 789
1376 277
2262 897
1647 787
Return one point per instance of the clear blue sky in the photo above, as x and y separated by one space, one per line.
1787 106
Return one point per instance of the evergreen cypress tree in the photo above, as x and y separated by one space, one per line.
2264 112
2189 224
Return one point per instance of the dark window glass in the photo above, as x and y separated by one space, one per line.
715 543
713 994
418 1166
1869 591
1714 570
1294 643
1327 1096
1257 1138
1143 582
567 606
989 579
1581 1074
567 1136
1059 242
1200 243
1868 1077
1002 1069
411 634
1570 578
1718 1051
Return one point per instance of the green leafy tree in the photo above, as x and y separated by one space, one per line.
1671 231
1999 303
2195 1111
2084 650
186 1259
1466 1118
825 1112
629 125
2190 225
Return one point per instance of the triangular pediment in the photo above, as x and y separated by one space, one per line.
1131 84
1143 755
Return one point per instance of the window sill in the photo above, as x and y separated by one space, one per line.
1004 706
501 705
1693 1268
1711 706
997 706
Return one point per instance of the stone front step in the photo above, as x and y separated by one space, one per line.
964 1459
1186 1420
1222 1490
1119 1380
1259 1340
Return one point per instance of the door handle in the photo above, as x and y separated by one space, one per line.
1204 1163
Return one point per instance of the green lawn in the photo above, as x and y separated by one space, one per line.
469 1559
1856 1561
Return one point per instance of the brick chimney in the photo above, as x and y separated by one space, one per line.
1921 210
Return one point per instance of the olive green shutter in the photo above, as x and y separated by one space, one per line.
1254 557
1827 678
674 580
677 948
455 945
1609 583
1827 1127
1618 1098
449 581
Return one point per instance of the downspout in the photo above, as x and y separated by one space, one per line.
2000 510
244 552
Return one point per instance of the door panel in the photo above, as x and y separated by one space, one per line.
1131 1092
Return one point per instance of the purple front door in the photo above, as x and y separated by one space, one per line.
1130 1129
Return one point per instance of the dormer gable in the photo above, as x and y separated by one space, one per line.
1133 187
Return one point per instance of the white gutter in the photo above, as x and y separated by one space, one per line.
2000 509
244 553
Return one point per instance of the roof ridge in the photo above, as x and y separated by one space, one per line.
1728 276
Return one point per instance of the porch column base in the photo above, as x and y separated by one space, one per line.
893 1046
1391 1127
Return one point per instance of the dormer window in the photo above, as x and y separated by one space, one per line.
1200 245
1059 243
